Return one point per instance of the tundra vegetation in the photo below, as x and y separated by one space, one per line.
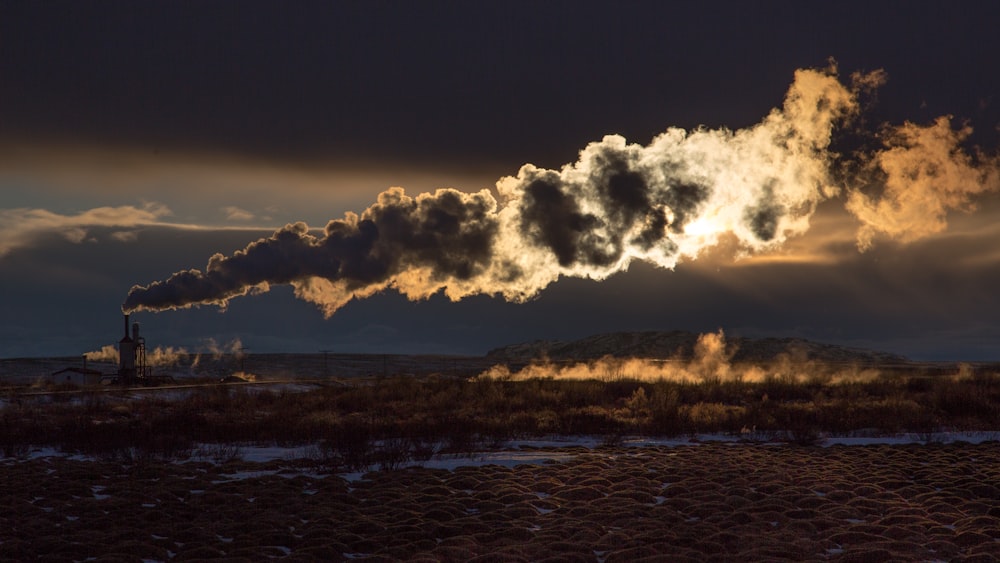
387 421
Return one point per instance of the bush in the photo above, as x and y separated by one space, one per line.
385 421
713 417
664 408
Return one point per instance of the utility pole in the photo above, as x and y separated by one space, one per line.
326 370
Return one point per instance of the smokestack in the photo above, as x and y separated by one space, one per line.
126 357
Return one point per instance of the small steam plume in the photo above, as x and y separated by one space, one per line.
233 347
660 203
168 356
210 346
158 356
107 353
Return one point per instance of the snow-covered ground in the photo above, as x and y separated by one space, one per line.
540 497
536 451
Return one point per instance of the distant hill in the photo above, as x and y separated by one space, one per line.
681 345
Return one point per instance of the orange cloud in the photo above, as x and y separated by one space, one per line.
234 213
926 175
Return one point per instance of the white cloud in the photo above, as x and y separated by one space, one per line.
76 235
234 213
124 236
22 227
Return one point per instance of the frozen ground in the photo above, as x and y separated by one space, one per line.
712 498
556 448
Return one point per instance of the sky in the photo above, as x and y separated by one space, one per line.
447 177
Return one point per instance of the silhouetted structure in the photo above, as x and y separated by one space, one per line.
76 376
132 366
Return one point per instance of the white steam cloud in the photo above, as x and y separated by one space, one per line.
662 203
159 356
166 356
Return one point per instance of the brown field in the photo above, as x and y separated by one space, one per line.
163 476
709 502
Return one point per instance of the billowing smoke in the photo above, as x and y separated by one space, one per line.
660 203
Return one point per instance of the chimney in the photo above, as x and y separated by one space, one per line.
126 357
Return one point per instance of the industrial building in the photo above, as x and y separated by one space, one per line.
132 357
77 376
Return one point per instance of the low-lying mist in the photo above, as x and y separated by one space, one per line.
711 362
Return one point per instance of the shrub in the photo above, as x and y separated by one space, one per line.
360 425
800 422
664 407
713 417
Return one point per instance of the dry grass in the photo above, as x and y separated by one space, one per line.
138 498
395 420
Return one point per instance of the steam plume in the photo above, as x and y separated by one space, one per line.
158 356
926 174
661 203
711 362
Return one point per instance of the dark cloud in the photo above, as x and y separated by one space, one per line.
451 233
453 81
553 218
630 210
763 217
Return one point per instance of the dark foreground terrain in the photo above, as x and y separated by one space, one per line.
710 502
387 464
